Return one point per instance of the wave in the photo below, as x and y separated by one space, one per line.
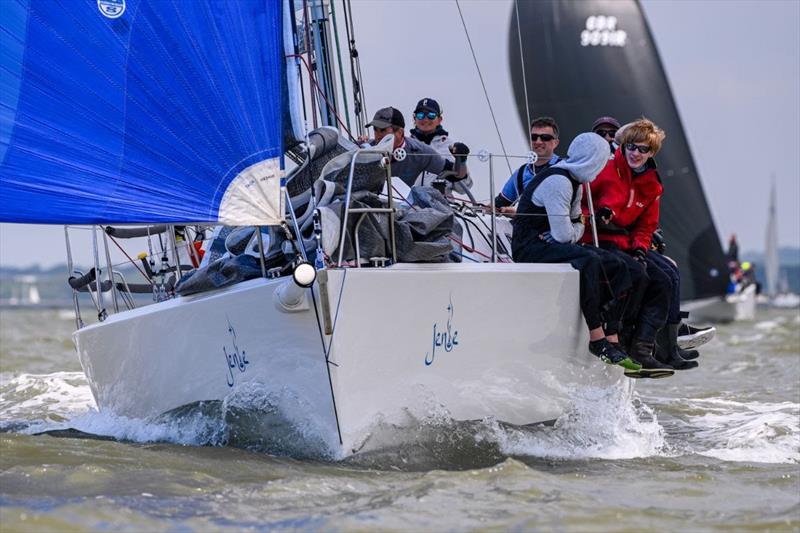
601 423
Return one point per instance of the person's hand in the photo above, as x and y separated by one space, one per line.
640 254
547 237
507 210
459 149
605 214
363 139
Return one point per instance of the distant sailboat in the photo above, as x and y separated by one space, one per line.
771 264
777 288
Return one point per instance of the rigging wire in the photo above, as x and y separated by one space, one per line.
483 84
359 99
307 26
339 60
522 64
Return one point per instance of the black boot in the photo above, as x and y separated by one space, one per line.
642 353
668 352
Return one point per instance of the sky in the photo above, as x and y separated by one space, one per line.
734 68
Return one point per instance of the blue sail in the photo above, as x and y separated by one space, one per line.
137 111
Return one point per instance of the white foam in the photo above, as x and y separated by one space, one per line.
601 423
49 396
758 432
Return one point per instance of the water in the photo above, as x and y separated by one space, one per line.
717 447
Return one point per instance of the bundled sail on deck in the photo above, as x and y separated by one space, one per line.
134 111
585 59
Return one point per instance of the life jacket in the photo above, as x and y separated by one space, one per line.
534 217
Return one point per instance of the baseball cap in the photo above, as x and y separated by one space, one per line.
428 104
387 116
611 121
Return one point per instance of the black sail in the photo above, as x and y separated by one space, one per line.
588 58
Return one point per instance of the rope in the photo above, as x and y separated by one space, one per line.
522 63
485 92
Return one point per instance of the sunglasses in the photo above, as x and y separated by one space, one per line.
419 115
635 147
606 133
545 137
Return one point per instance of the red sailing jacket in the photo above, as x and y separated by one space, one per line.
634 201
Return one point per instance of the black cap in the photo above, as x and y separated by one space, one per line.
387 116
428 104
608 121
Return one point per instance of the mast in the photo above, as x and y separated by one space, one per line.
771 264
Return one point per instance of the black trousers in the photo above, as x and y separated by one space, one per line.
669 268
647 306
603 276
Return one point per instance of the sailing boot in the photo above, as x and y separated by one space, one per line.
611 354
691 337
667 350
642 353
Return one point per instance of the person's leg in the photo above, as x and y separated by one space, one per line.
618 284
652 317
655 303
589 264
627 308
669 268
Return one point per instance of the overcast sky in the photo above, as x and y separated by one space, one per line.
734 68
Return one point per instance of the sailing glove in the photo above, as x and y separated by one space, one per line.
640 254
547 237
605 214
461 151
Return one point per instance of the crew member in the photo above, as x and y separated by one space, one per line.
544 141
412 157
548 226
428 129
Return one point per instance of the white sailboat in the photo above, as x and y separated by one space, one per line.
187 129
778 294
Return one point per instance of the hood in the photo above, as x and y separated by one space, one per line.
586 157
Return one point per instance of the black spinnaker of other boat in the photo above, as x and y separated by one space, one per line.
588 58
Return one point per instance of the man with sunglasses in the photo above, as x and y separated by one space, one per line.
428 129
607 127
626 197
412 157
544 141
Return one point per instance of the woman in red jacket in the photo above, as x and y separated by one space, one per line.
626 198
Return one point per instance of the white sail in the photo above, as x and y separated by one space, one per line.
771 250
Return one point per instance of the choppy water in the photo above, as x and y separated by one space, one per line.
717 447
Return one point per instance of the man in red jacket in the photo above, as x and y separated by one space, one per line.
626 198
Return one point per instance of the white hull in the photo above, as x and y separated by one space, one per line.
512 345
740 306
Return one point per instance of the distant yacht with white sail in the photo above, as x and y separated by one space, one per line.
778 294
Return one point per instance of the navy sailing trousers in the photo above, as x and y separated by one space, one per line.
647 307
603 276
670 269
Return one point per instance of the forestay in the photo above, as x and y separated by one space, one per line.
134 111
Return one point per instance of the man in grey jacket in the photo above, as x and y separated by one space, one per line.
548 227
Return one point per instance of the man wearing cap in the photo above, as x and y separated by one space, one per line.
544 140
607 127
428 129
412 157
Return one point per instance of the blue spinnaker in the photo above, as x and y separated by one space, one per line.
134 111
